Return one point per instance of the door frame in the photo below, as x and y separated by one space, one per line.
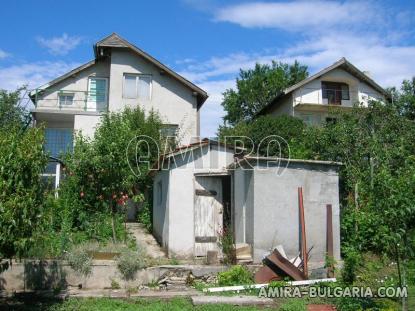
231 202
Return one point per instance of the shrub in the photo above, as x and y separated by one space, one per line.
352 260
227 244
144 216
80 261
129 262
237 275
22 160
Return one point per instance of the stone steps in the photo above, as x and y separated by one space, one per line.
147 240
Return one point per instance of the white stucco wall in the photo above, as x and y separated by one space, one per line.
311 94
78 84
177 215
161 208
86 124
174 101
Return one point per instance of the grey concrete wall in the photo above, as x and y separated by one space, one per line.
274 216
57 274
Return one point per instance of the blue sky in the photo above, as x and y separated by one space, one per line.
208 41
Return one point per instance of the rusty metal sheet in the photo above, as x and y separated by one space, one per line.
266 275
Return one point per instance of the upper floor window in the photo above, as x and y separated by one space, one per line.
66 99
137 86
335 92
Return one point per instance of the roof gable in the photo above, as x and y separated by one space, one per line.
116 41
344 64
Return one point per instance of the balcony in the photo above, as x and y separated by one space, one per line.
325 97
72 101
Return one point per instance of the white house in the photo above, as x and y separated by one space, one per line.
120 75
202 188
338 86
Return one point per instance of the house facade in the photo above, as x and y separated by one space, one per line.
315 99
120 75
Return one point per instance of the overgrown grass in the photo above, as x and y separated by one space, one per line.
104 304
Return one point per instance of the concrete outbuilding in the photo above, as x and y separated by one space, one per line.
200 189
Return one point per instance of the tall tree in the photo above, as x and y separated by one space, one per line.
11 112
256 87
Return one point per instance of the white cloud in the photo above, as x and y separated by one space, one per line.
212 111
3 54
60 45
32 74
297 15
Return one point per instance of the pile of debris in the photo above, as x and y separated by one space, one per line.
182 278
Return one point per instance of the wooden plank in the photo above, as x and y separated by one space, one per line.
207 193
303 233
329 239
206 239
208 214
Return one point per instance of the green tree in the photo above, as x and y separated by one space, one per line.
11 112
267 135
405 98
22 160
104 173
257 87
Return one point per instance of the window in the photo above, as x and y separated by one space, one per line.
169 130
137 86
335 92
66 99
331 120
58 141
97 93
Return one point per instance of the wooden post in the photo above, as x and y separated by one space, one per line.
303 233
329 239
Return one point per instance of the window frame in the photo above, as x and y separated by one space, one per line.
89 88
65 94
137 78
335 87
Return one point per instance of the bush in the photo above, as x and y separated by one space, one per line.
352 260
144 216
129 262
237 275
80 261
227 244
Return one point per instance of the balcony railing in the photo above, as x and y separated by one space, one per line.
73 101
326 96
